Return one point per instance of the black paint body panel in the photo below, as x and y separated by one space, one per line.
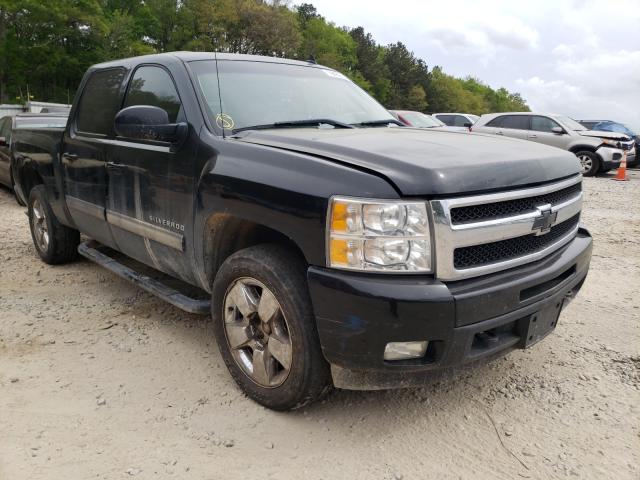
283 180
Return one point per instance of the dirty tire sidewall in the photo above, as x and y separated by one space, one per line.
63 241
592 159
285 275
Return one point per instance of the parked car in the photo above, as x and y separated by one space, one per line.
7 127
457 119
611 126
421 120
329 247
597 151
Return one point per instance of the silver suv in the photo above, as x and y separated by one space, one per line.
598 151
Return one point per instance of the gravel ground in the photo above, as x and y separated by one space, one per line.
101 380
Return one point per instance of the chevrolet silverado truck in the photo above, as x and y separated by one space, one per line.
331 245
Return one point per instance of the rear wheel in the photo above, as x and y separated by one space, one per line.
54 242
589 162
265 328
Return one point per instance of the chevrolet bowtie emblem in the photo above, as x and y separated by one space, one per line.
545 220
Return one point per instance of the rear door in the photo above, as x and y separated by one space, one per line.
151 183
541 132
84 152
514 126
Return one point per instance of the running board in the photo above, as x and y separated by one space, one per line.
155 287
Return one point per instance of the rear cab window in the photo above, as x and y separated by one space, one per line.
100 102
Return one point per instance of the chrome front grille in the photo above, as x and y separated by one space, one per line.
487 233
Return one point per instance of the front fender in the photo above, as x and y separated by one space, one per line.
284 191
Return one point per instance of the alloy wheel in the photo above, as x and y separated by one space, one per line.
40 229
257 332
586 162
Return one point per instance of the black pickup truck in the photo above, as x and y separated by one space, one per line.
334 246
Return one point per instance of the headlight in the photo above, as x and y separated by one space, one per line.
612 143
383 236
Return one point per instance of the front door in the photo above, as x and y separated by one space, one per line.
542 132
151 184
84 152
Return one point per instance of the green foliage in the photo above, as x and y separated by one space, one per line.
47 46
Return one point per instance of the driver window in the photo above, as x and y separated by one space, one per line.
153 86
543 124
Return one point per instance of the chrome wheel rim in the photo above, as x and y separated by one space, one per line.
586 162
257 332
40 229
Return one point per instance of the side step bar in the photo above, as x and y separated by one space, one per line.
155 287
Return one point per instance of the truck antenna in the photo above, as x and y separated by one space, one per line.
215 55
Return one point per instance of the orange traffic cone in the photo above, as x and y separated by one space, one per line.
621 175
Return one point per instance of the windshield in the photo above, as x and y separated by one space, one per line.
570 123
420 120
473 117
42 122
260 93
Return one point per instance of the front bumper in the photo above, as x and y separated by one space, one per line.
611 157
464 321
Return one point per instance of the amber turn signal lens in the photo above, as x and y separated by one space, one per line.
339 252
339 217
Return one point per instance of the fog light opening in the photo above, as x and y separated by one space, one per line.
405 350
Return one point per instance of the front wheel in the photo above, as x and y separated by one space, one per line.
265 328
54 242
589 162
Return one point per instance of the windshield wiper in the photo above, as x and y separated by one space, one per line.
296 123
374 123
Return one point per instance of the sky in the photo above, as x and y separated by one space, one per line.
579 58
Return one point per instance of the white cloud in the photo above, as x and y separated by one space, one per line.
579 57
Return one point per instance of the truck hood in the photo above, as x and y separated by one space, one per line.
427 162
604 134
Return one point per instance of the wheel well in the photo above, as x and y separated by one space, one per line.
29 178
226 234
582 148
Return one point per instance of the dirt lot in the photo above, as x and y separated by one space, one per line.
101 380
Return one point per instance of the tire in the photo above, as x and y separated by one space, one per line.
54 242
15 193
244 291
589 162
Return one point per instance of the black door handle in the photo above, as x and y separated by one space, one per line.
70 156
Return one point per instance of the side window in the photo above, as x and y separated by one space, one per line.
446 119
153 86
100 102
496 122
542 124
517 122
459 121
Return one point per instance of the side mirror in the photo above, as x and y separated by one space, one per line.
145 122
3 142
468 124
557 130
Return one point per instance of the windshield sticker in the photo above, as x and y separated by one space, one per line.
225 121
